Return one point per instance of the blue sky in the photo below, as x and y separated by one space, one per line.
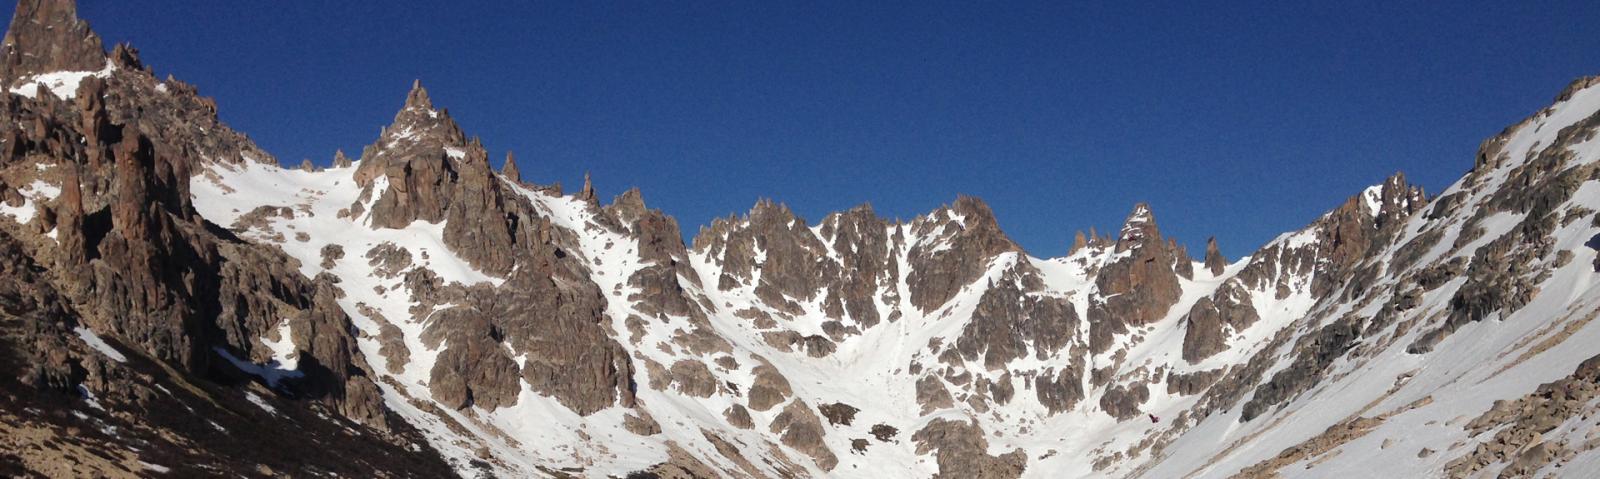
1239 121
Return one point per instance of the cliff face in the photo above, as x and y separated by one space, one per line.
107 248
418 313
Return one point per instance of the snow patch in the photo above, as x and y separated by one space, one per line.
62 84
94 341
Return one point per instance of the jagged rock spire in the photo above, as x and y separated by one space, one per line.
1138 228
418 96
1214 259
48 36
587 194
629 205
340 160
418 133
510 168
1078 243
1139 287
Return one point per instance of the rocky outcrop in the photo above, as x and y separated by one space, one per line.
1215 262
509 169
961 450
1123 401
1312 356
1007 321
838 413
1139 286
47 36
1520 426
1060 390
770 388
799 428
1207 326
957 243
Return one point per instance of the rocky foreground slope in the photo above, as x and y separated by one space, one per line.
176 302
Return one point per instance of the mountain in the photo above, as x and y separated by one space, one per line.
178 303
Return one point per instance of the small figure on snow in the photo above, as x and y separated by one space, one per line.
1154 419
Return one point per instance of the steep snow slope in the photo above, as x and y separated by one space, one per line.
1413 399
1425 398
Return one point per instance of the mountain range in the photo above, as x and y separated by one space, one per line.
178 303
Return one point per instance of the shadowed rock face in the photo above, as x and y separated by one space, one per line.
136 263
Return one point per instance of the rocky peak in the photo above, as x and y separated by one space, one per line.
340 160
510 168
418 130
421 153
956 245
628 206
1078 243
587 194
47 36
1139 227
1140 284
1397 200
767 212
431 172
1215 262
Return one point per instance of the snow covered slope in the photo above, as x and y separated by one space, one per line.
760 360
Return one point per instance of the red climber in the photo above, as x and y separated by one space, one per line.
1154 419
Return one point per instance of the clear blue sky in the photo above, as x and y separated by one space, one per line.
1240 120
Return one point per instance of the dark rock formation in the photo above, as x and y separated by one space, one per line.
838 413
961 450
1140 286
47 36
1122 402
1209 320
770 388
953 253
1313 355
1008 320
800 429
1215 262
